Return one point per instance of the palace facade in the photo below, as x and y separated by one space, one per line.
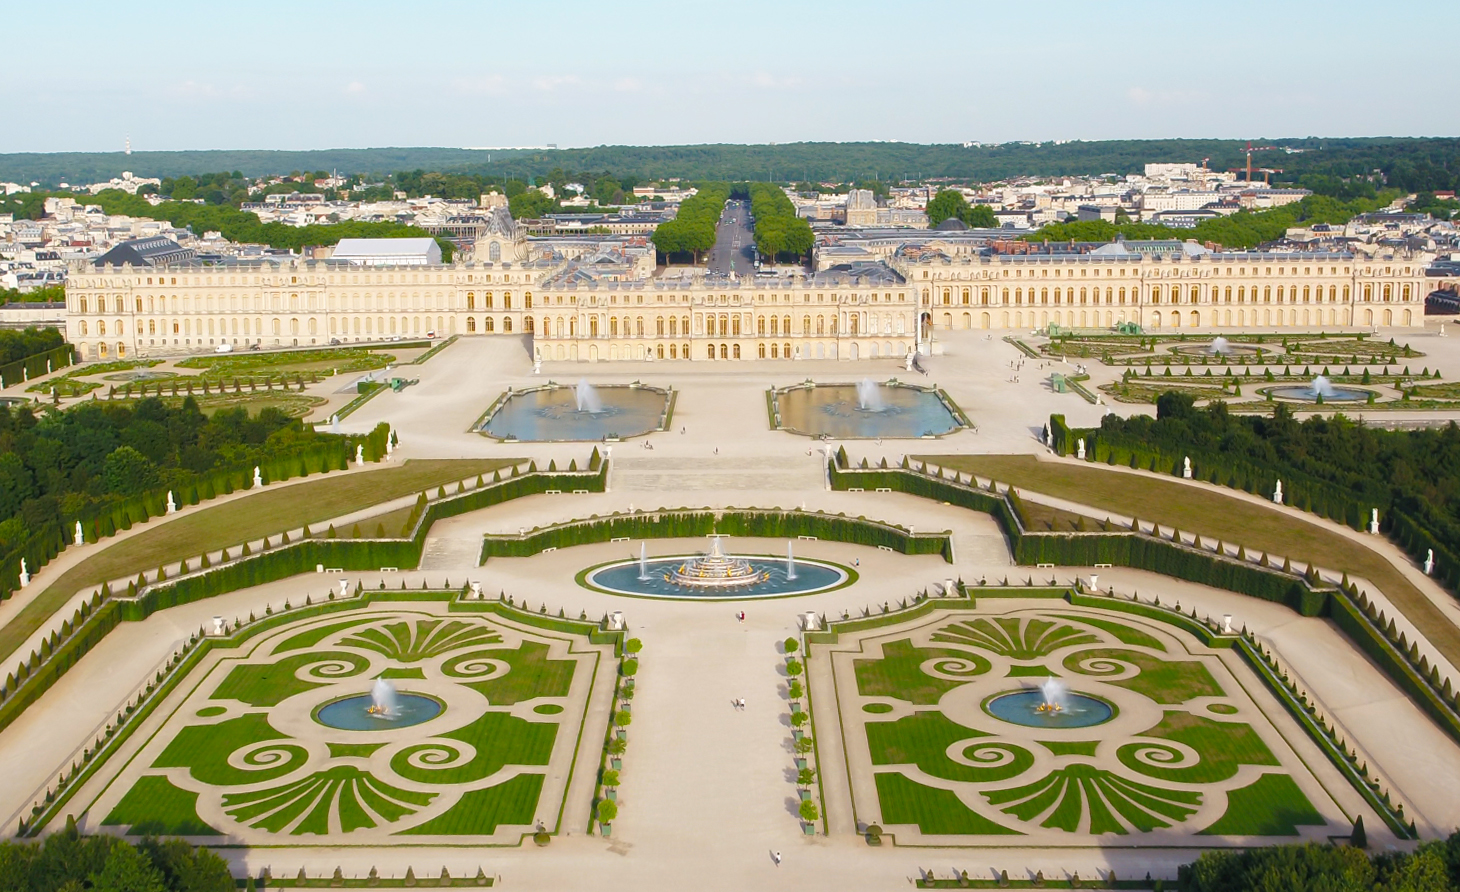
600 299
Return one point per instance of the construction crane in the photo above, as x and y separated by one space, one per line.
1265 171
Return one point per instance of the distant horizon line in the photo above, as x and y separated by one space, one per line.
550 147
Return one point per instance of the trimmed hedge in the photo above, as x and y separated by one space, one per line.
694 524
35 365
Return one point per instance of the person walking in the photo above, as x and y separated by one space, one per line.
776 857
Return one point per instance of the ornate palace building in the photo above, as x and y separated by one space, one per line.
597 298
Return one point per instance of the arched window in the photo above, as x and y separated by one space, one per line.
471 324
737 351
506 323
710 351
471 300
723 352
489 324
494 251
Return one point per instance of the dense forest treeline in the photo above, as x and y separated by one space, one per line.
778 230
1332 466
68 464
244 226
692 231
1433 867
17 344
66 862
1334 166
1244 229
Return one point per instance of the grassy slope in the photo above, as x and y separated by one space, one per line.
1213 514
262 514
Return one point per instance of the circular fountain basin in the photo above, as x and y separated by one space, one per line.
352 713
769 579
552 413
1023 708
1206 350
1301 393
140 375
837 411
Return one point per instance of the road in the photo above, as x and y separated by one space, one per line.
734 250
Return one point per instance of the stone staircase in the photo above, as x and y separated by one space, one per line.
450 554
790 475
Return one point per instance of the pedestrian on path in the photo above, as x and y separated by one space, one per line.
776 857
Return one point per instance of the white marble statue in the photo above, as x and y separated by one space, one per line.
258 479
1080 449
1429 561
171 505
24 574
359 454
1277 494
1374 522
1186 467
80 538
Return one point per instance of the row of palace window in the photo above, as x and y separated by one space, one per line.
371 326
721 326
1177 294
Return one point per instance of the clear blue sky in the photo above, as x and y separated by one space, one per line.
268 74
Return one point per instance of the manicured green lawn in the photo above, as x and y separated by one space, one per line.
1213 515
156 807
497 738
899 673
204 751
1272 805
1222 747
905 801
1165 681
267 684
514 801
531 674
268 512
923 739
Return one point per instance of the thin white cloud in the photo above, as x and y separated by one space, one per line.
628 85
492 84
355 88
550 82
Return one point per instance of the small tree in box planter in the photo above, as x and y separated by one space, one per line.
622 718
799 718
607 810
792 645
809 811
629 668
874 834
793 667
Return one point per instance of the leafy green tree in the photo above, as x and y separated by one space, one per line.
529 204
127 870
947 203
809 811
129 472
607 810
980 216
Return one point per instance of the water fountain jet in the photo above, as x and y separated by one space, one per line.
588 399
